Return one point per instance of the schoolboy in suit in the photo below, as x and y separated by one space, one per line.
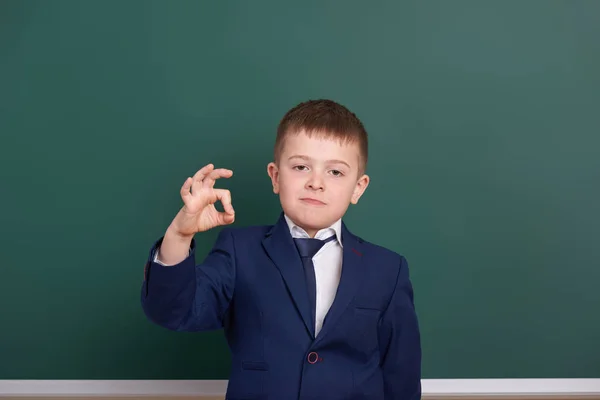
310 311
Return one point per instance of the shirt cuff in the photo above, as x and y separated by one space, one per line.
156 260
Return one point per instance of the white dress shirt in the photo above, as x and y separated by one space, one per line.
328 266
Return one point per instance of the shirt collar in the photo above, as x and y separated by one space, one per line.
298 232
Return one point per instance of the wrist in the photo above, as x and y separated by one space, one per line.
175 235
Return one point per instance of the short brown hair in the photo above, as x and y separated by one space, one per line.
324 118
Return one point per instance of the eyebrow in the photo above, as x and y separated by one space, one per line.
306 158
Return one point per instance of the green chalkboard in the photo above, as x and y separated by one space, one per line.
484 123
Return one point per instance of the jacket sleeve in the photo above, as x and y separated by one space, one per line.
190 297
400 343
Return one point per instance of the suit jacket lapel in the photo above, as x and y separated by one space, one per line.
280 247
351 277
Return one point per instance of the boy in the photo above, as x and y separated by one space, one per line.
310 310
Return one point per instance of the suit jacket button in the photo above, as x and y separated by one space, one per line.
313 357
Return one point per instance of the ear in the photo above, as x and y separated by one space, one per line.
273 172
359 189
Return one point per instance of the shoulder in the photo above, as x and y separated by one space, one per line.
383 253
245 233
385 261
239 239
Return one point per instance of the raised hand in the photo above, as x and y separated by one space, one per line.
199 197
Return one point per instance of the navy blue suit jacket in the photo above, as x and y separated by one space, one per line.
252 285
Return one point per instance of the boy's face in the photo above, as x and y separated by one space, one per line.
317 179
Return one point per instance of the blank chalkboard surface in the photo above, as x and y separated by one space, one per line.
484 123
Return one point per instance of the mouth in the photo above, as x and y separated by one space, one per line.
311 201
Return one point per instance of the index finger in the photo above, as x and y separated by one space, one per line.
209 180
202 172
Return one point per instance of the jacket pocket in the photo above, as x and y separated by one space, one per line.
365 328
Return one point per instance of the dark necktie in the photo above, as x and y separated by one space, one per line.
307 249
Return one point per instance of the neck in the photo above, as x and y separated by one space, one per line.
311 232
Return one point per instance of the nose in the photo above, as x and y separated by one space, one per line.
315 182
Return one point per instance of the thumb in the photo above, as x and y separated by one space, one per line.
226 219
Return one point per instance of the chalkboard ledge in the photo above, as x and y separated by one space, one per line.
433 388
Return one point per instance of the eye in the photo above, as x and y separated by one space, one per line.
301 167
336 172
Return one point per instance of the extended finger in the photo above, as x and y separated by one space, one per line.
202 172
209 180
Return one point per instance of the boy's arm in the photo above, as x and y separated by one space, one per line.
190 297
400 342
